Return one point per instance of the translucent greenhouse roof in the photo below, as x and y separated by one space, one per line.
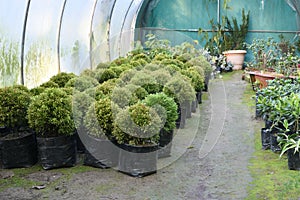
48 36
40 38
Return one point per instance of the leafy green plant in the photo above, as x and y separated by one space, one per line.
103 75
81 101
169 105
50 113
197 81
62 78
147 81
235 35
137 125
82 83
265 53
180 89
99 119
14 102
289 142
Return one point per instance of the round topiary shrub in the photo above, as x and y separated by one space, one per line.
197 81
180 89
103 75
49 84
50 113
82 83
169 108
14 102
99 119
137 125
62 78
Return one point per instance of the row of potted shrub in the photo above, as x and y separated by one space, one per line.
279 105
121 111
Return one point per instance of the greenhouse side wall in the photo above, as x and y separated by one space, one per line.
267 18
41 38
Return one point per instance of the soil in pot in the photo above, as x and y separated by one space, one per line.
56 152
138 161
18 150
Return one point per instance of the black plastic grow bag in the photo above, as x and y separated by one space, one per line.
138 161
101 153
165 143
18 152
293 160
56 152
265 138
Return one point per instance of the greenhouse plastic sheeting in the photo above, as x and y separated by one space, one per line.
40 38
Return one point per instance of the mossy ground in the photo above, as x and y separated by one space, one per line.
271 177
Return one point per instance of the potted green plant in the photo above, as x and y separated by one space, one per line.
234 40
262 67
81 101
169 112
136 129
201 61
180 89
62 78
17 142
100 144
50 116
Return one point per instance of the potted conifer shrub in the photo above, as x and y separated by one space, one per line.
136 129
50 116
234 40
169 113
17 141
180 89
100 144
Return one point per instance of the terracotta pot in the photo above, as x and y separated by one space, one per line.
236 58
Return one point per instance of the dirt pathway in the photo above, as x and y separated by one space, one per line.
209 161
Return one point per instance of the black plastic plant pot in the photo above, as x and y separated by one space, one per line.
80 145
265 138
57 152
257 112
188 107
274 145
293 160
101 153
206 82
165 143
18 152
138 161
194 106
4 131
180 122
199 97
268 124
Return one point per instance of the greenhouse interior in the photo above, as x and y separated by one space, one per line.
187 99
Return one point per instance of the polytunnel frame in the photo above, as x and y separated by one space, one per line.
58 45
23 41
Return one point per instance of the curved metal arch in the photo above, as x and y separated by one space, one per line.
108 30
92 35
23 41
122 27
58 35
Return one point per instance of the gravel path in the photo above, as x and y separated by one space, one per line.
209 161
